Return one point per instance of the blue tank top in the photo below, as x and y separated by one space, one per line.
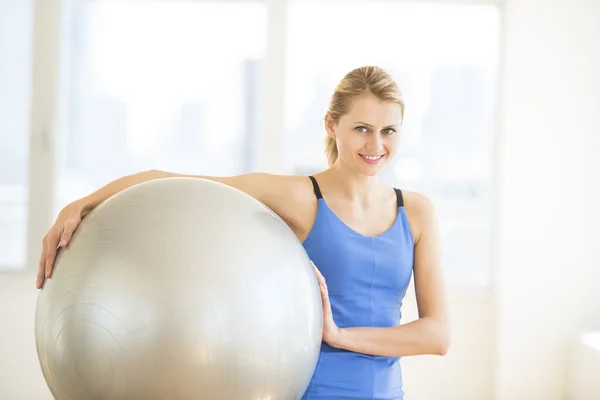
367 278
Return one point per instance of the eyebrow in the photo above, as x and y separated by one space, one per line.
364 123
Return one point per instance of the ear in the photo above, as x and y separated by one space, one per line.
329 126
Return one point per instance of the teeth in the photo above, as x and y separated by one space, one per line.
373 158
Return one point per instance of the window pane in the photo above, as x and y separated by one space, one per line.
15 69
444 57
168 85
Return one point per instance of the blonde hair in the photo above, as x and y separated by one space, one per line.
360 81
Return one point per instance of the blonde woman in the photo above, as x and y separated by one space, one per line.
365 238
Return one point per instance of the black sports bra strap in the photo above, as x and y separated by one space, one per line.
399 197
316 187
317 191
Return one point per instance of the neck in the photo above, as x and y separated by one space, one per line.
344 182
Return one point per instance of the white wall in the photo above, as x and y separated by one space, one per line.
548 275
584 363
467 371
20 374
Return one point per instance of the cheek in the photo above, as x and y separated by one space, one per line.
392 143
349 143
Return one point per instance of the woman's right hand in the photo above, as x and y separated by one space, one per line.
60 234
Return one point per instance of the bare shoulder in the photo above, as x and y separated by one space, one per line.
292 198
421 213
296 189
297 184
269 188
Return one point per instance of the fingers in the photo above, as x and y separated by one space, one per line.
322 283
68 230
42 265
60 235
51 248
325 292
325 298
320 276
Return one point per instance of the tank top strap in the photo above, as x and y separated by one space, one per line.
316 187
317 190
399 198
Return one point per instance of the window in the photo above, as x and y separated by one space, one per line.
444 57
178 85
176 90
15 66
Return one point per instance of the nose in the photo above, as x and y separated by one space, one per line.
375 143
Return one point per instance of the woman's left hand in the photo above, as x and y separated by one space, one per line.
331 332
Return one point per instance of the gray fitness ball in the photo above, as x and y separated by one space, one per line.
180 288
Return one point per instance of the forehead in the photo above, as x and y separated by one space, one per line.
372 110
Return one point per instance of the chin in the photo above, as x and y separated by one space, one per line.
371 170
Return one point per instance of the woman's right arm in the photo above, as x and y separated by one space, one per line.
277 192
258 185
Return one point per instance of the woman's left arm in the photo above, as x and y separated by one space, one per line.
429 334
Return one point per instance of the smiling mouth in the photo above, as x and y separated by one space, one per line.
372 157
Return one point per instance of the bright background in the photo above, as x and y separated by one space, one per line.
501 132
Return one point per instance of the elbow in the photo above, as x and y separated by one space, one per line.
442 348
440 339
441 344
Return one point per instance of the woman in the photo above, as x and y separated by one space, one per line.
366 239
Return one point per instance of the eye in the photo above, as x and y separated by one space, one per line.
360 129
389 131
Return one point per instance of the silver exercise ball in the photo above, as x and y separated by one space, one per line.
180 288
